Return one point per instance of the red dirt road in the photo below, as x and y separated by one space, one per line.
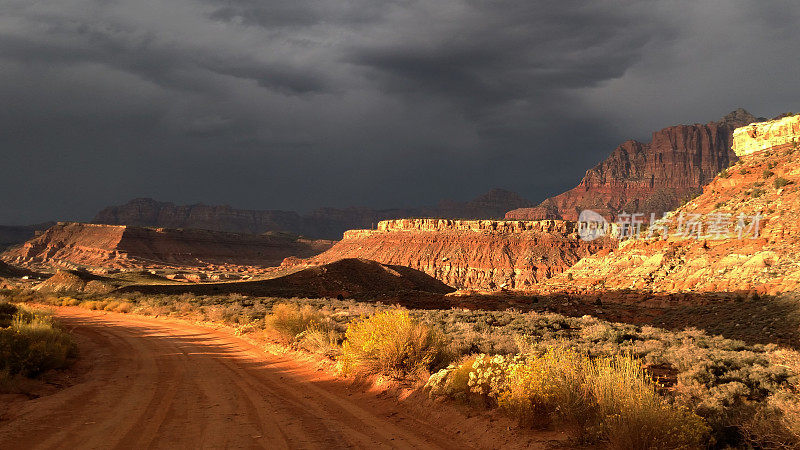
161 384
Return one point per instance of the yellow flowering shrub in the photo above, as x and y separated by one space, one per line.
611 399
631 413
391 342
290 319
546 387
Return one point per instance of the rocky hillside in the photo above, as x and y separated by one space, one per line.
718 241
472 254
328 223
70 244
648 177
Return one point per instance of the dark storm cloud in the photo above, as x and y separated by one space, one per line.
299 104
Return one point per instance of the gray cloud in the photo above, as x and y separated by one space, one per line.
275 104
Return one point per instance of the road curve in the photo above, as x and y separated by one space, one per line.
164 384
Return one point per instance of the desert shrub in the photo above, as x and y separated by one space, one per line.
724 174
392 342
611 399
33 344
743 171
94 305
781 182
7 312
757 192
67 301
322 339
290 319
546 387
124 307
111 306
775 425
633 415
767 173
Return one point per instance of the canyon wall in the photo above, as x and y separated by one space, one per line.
117 246
648 177
744 238
469 254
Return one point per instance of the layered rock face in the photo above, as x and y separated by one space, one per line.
327 223
469 254
648 177
713 256
79 244
764 135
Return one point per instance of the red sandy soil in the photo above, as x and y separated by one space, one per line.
167 384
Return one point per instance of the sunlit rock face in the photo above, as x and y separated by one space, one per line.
469 254
763 135
648 177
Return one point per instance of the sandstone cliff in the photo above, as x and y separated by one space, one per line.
69 244
763 135
327 223
765 182
648 177
473 254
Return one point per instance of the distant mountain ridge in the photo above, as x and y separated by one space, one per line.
326 223
17 234
648 177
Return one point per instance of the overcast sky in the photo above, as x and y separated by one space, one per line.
296 104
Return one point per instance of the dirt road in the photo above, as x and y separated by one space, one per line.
158 384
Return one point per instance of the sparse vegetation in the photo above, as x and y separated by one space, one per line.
610 399
781 182
741 392
31 343
725 173
767 174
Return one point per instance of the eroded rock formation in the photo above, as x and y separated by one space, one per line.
721 253
471 254
648 177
